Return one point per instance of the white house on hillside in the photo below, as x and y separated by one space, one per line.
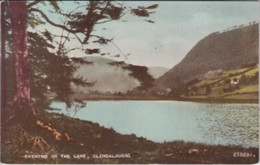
234 82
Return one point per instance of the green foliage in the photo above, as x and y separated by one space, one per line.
114 12
54 5
102 41
243 80
92 51
140 12
47 35
141 74
143 11
227 81
34 20
44 68
97 12
49 73
152 6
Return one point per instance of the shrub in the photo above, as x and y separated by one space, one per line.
227 81
243 79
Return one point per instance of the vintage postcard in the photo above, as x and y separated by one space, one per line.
129 82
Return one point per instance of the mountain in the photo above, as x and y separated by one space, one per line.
110 76
156 72
226 50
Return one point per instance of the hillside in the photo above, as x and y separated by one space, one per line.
221 50
240 84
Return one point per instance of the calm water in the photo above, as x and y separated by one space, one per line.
226 124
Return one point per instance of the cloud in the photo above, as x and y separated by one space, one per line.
178 27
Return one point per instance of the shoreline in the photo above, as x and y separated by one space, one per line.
154 98
221 100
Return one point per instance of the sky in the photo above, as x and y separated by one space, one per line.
178 27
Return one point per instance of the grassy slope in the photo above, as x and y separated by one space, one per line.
249 91
90 138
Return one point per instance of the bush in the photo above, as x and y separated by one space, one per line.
243 80
227 81
253 79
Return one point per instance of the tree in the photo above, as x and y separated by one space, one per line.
141 74
227 81
3 64
22 97
243 80
78 23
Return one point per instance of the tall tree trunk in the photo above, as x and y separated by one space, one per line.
22 96
3 71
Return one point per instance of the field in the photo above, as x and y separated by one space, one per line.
221 87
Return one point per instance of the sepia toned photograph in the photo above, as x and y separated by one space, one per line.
129 82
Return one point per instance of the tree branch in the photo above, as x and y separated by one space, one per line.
105 21
79 39
111 19
52 23
32 4
69 38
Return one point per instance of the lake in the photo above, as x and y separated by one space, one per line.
159 121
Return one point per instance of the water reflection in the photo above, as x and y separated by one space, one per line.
236 124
